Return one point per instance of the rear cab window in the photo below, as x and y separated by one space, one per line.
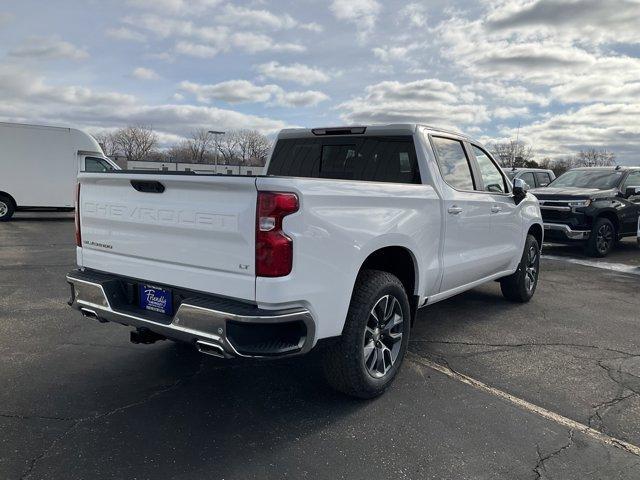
389 159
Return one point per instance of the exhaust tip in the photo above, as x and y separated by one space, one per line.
209 348
92 315
89 313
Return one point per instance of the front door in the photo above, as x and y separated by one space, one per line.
467 212
506 227
630 213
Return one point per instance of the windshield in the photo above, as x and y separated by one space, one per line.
511 174
600 179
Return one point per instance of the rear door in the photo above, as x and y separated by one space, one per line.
467 213
190 231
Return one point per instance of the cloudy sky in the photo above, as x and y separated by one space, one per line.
566 71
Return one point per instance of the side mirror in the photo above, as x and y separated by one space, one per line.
519 190
632 191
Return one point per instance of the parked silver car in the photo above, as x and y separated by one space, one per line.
533 177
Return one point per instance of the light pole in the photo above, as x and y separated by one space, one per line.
216 132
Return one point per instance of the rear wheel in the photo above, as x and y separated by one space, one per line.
603 237
368 355
521 286
6 208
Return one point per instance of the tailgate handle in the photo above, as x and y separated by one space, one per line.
147 186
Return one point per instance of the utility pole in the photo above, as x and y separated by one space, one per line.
216 132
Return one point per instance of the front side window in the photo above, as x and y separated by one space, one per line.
543 179
491 177
633 180
528 179
100 165
453 163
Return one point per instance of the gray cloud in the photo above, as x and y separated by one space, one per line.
44 48
613 13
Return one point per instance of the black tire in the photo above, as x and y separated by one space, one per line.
521 286
7 208
344 361
602 238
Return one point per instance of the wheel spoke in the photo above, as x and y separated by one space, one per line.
369 349
392 323
372 360
390 308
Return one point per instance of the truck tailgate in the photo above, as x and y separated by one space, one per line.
198 233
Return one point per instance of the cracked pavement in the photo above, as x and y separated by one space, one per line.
79 401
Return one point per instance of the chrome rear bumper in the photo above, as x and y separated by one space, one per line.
567 231
200 320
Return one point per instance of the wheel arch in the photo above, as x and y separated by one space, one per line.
10 197
537 231
401 262
610 215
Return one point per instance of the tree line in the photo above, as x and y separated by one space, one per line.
251 148
141 143
519 154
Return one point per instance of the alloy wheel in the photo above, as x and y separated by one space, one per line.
383 336
531 270
4 208
604 238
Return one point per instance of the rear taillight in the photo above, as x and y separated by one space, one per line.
77 217
274 249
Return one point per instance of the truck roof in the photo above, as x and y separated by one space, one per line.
623 168
366 130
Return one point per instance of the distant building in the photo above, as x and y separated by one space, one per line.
195 167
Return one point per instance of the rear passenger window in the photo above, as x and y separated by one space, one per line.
491 176
453 162
374 159
543 179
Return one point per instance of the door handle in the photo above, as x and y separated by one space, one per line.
455 210
496 209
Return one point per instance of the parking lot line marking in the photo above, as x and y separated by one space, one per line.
525 405
616 267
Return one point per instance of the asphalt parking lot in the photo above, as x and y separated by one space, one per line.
79 401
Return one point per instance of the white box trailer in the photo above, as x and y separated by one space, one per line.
39 166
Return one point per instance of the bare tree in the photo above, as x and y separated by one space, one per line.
228 146
107 141
236 147
180 152
200 145
558 166
253 147
594 158
135 142
513 154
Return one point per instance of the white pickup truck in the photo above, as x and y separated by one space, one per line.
351 230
